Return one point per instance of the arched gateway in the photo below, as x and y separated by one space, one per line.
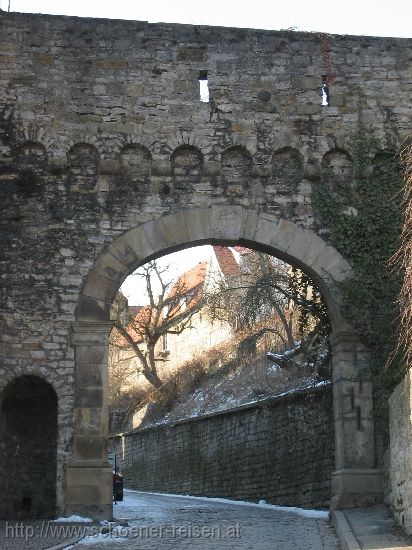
88 474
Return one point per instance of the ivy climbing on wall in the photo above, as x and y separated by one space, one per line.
361 205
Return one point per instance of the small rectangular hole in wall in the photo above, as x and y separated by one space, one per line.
355 355
325 91
358 417
204 87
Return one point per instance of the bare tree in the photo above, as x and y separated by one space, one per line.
403 259
172 304
269 296
120 373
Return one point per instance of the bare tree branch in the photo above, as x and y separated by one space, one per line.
169 312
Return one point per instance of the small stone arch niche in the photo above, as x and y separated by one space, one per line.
287 170
236 170
31 165
28 448
31 156
187 166
83 163
135 164
337 171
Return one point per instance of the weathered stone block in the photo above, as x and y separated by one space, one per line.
89 397
89 421
90 448
227 222
90 309
88 374
198 223
99 287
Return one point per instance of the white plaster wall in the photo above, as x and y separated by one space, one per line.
194 341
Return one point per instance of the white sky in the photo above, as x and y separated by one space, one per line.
367 17
363 17
134 288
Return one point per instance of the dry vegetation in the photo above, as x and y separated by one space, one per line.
404 257
269 307
223 377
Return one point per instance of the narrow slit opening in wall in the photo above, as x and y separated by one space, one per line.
325 91
26 504
203 87
358 417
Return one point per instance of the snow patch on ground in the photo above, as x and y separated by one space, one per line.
73 519
308 386
117 534
304 387
304 512
274 368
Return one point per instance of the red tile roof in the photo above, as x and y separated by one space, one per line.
191 279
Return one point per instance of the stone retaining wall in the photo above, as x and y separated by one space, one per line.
281 450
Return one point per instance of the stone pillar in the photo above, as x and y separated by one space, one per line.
356 481
89 474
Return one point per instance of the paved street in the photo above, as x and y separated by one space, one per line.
169 523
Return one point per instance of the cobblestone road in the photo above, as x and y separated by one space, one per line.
170 523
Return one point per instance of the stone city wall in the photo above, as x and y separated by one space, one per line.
102 130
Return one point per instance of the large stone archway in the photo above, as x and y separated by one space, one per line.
88 479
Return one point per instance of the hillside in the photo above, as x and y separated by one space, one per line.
237 382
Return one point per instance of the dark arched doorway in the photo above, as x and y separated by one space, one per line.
28 440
